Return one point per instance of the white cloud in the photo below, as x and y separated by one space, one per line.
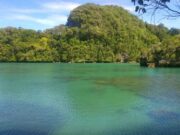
48 14
48 21
129 8
60 6
28 11
50 7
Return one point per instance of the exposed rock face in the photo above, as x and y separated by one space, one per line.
151 65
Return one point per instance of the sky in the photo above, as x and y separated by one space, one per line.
43 14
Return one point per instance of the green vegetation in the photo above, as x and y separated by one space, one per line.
93 33
17 45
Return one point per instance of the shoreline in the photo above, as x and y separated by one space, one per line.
72 62
48 62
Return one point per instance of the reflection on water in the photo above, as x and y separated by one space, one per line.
88 99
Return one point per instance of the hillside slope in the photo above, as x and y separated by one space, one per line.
110 26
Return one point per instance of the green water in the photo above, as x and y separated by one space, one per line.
88 99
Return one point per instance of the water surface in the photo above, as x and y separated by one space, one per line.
88 99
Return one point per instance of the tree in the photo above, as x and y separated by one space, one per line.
171 8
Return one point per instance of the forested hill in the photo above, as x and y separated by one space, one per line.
93 33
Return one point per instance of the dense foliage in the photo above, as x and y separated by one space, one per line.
92 34
25 45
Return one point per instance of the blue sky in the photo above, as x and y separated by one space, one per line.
42 14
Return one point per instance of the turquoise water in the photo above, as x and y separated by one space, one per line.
89 99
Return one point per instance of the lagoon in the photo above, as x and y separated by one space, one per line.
88 99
